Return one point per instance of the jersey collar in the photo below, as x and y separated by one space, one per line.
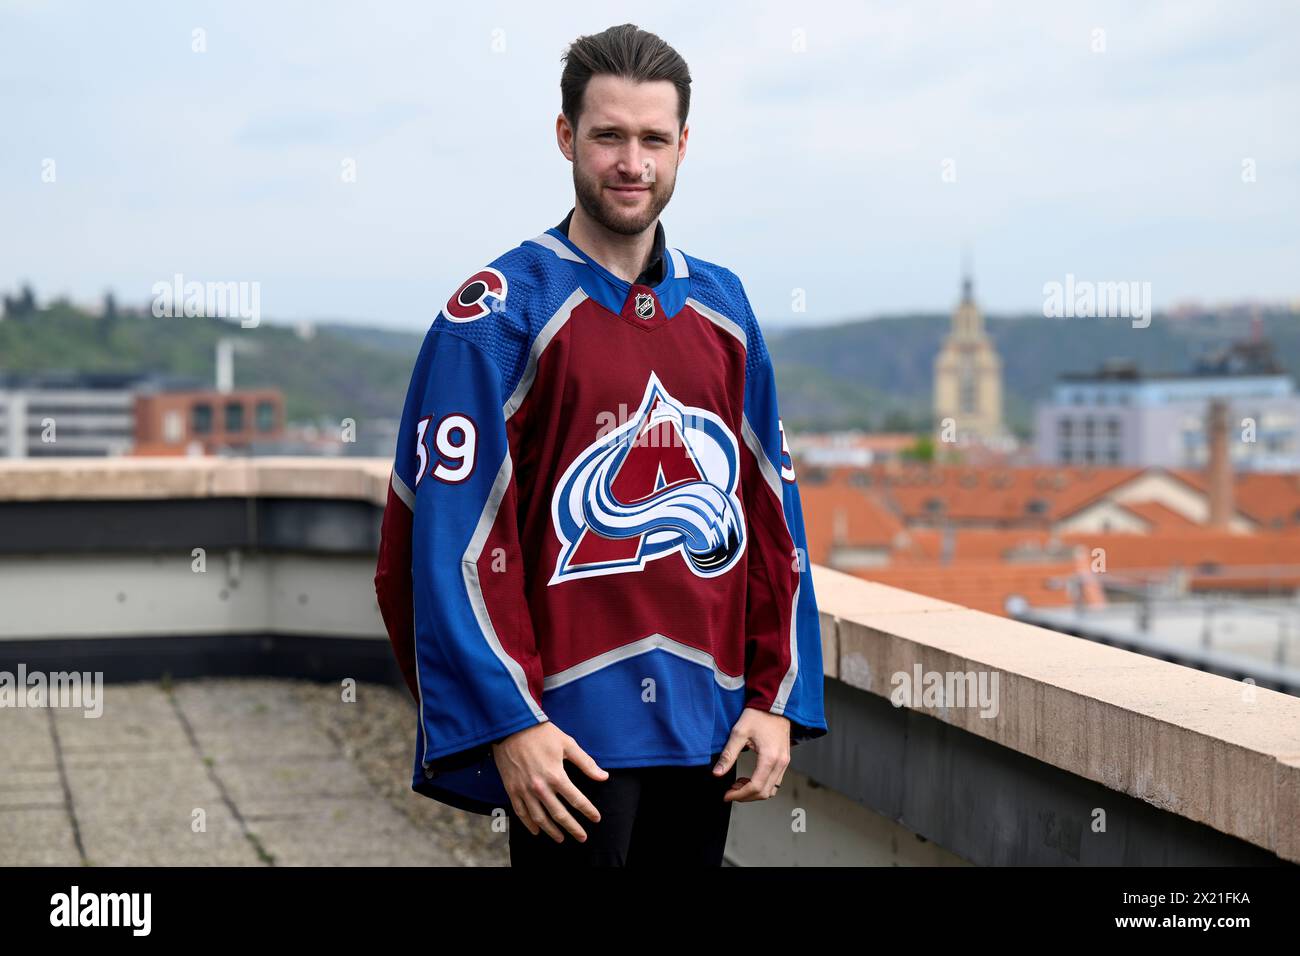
654 275
612 292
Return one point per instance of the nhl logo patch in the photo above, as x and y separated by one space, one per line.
645 306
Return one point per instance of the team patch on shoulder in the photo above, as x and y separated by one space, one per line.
468 302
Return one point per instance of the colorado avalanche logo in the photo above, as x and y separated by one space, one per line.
467 303
665 483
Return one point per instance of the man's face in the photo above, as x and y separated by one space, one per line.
625 152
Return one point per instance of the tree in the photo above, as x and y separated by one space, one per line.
921 450
21 305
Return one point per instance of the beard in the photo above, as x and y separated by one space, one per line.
598 204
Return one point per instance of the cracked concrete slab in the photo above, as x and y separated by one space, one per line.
226 772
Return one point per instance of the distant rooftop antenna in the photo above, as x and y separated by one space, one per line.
226 348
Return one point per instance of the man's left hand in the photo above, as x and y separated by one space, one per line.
769 735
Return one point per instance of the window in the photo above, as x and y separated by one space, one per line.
265 416
1064 427
173 426
201 418
234 416
966 389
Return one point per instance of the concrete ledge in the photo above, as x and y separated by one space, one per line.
1211 749
43 479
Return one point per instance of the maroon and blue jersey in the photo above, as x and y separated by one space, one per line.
593 519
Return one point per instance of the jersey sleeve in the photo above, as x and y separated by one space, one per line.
450 579
783 649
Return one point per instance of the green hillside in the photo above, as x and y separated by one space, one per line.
326 376
874 374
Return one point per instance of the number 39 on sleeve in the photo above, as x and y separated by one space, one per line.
450 457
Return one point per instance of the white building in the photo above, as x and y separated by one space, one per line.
1119 417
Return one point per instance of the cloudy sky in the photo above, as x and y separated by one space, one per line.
1107 140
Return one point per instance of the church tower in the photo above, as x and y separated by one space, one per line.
967 381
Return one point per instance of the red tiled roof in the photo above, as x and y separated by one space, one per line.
1191 548
983 585
969 544
988 494
863 521
1159 516
989 564
1004 494
1270 498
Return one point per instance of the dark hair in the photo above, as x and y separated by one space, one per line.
625 51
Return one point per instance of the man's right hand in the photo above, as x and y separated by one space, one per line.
531 762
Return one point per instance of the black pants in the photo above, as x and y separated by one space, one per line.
669 816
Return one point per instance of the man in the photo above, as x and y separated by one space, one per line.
593 548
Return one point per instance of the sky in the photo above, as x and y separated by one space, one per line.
842 155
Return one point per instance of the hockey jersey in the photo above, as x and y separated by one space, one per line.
593 519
